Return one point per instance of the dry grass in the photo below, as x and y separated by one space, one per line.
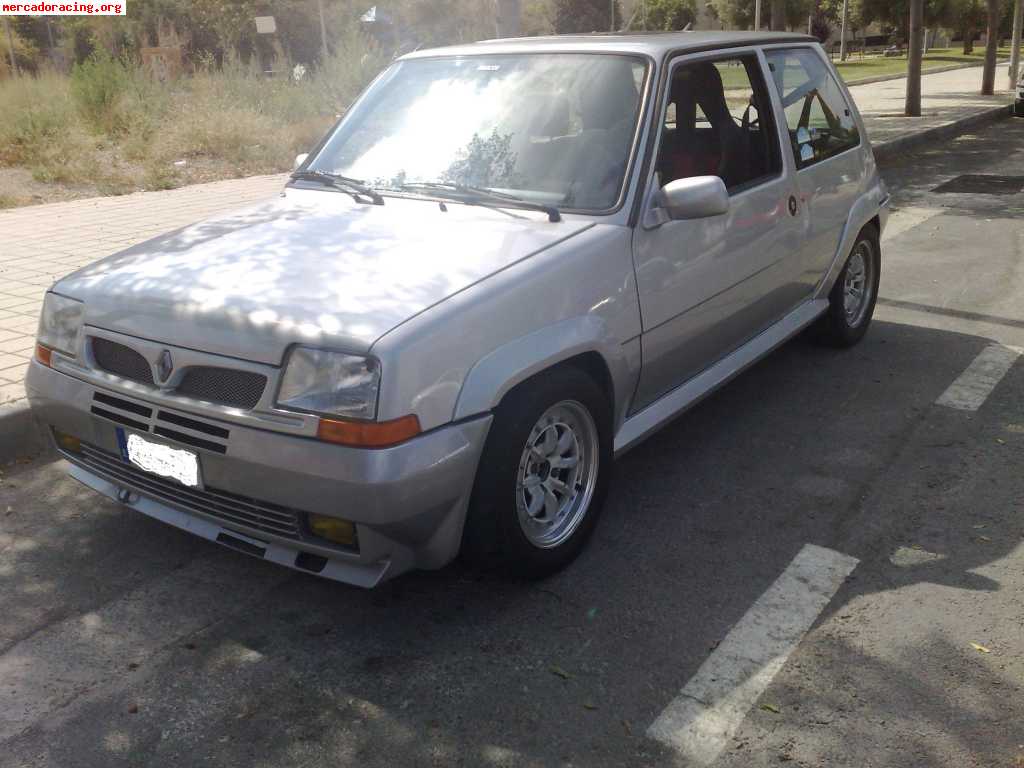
107 129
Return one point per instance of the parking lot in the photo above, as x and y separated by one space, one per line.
126 642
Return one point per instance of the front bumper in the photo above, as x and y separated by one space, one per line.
408 502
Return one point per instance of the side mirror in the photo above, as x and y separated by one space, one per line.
695 198
299 160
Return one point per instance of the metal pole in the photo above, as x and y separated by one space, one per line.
1018 12
611 16
10 49
842 34
323 27
757 15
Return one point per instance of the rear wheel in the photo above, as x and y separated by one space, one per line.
853 297
543 475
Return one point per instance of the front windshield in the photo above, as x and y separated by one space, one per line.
554 129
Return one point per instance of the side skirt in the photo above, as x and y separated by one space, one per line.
646 422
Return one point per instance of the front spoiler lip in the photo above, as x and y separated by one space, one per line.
275 550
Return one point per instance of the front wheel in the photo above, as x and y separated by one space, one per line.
852 300
543 475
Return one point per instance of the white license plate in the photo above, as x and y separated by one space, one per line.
163 460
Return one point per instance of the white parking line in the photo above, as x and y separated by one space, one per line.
975 384
699 722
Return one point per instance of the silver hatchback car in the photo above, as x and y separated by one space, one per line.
508 263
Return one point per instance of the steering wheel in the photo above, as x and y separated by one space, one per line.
746 123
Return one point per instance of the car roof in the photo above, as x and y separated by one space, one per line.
655 44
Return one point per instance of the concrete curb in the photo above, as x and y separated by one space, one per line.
20 434
886 151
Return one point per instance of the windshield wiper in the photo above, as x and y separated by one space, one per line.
354 187
468 193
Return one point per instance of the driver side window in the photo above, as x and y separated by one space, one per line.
819 120
718 122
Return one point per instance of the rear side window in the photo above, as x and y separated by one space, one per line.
718 122
819 119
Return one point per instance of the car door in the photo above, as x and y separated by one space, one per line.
824 140
708 285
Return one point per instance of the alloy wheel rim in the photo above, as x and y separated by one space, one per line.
858 284
557 474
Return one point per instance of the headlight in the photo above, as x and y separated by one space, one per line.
330 382
60 323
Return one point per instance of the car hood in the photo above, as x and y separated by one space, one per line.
312 266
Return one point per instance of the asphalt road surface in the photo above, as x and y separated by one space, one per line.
820 565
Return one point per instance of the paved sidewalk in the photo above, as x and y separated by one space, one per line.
38 244
945 98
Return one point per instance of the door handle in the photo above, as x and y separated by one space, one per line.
793 206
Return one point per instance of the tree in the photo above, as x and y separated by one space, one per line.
586 16
669 15
538 18
969 18
734 14
1018 22
988 75
509 18
915 53
739 14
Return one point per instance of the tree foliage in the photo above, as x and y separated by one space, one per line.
668 15
586 16
739 14
960 15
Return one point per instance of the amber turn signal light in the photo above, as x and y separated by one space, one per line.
368 434
43 354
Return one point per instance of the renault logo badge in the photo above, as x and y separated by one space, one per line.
165 366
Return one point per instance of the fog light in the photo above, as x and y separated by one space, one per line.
68 443
333 529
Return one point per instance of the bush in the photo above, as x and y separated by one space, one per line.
97 86
34 112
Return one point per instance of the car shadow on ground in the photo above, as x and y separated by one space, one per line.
464 667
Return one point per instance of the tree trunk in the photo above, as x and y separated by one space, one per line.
1018 21
969 40
508 18
988 75
778 21
915 52
10 50
842 33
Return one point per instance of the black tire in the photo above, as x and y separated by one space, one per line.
493 534
835 326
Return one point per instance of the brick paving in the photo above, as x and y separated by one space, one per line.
39 244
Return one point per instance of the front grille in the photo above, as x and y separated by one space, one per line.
121 361
174 426
247 513
242 389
